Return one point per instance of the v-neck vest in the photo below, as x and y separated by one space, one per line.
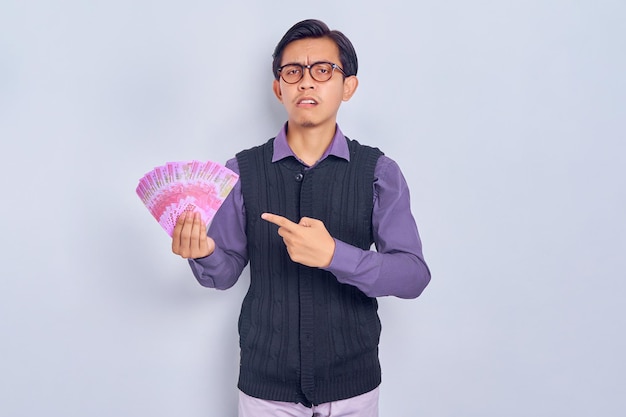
304 336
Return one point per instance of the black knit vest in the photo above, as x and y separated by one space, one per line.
304 336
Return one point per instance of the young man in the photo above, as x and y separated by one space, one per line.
307 208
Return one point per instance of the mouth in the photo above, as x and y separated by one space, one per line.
306 102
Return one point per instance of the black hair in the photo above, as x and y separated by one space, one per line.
312 28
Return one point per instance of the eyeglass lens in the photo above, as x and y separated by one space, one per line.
321 71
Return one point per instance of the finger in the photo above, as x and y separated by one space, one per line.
177 234
197 229
308 222
278 220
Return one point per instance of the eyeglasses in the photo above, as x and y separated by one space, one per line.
320 71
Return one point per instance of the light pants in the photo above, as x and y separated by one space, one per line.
365 405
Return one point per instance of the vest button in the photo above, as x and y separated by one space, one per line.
299 176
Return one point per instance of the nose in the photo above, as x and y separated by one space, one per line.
306 81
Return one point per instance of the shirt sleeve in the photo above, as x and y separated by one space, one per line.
397 267
222 268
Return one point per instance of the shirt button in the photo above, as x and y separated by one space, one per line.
299 177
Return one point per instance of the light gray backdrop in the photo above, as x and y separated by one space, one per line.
507 118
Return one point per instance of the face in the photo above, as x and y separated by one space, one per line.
311 103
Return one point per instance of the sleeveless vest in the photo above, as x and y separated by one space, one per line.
304 336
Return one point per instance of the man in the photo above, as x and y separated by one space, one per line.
308 207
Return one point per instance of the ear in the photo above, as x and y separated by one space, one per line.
276 89
350 85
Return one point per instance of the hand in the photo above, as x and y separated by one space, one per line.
189 239
308 242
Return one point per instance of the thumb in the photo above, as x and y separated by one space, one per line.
308 222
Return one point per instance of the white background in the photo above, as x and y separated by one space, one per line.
507 118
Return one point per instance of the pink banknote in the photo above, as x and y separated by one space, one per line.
177 187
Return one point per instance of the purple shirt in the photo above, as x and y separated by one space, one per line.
396 268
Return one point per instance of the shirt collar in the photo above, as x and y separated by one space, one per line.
338 146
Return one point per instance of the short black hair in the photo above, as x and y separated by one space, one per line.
312 28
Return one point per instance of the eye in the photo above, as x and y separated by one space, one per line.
291 70
322 69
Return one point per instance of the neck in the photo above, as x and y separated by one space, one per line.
310 143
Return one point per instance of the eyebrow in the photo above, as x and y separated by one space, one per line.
304 65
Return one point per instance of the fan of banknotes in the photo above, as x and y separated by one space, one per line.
189 186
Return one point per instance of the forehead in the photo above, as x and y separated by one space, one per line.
307 51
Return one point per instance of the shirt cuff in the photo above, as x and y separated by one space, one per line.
345 259
211 263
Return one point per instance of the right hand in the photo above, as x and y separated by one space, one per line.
189 239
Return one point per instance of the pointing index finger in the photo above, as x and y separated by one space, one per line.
279 221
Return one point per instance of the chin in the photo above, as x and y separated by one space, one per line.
308 123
